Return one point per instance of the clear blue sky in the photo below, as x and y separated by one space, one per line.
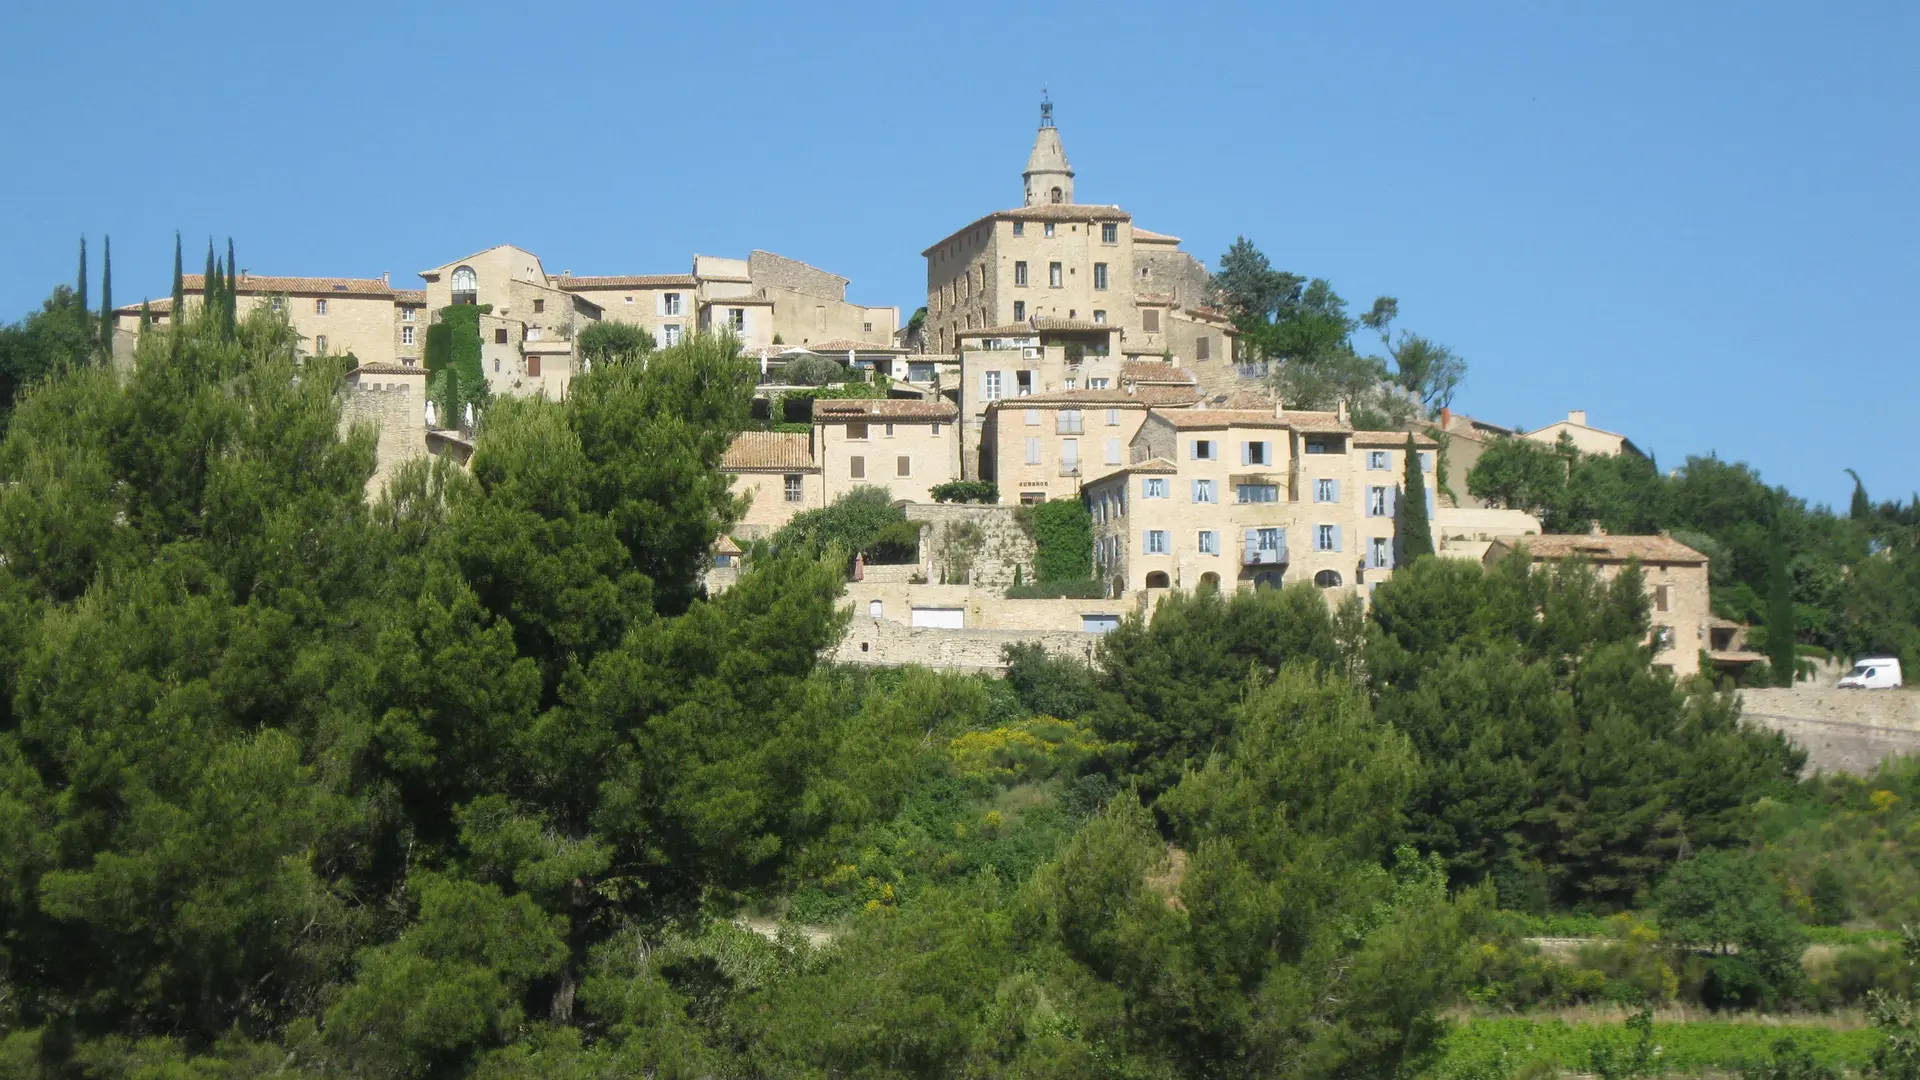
1696 221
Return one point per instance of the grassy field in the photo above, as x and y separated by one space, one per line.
1488 1048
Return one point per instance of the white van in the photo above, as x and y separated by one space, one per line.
1872 673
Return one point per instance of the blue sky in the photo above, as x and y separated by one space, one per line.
1696 221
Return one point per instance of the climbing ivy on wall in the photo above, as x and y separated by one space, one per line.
455 376
1062 532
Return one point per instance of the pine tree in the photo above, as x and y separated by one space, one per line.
1861 509
1781 653
179 280
1416 534
106 299
80 290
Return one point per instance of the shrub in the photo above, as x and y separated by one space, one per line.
1062 532
966 491
1092 589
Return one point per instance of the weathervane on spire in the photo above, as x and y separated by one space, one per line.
1046 109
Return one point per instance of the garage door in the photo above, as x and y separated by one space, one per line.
945 618
1099 624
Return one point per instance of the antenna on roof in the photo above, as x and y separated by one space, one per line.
1046 109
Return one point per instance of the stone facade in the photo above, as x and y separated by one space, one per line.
365 318
1466 532
1040 447
1676 582
891 644
392 400
981 545
907 447
1587 438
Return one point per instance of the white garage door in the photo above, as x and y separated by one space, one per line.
1099 624
946 618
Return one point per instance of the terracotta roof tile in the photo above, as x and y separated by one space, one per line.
1070 398
736 301
1018 329
1207 314
1220 418
1144 371
387 369
410 296
1153 237
1392 440
785 451
840 345
1323 423
158 307
256 284
725 546
1152 466
1168 397
883 409
1605 548
629 281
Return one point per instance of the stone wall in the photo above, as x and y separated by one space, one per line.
779 272
887 643
1843 731
1004 544
1170 270
397 416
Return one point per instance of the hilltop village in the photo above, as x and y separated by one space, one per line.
1063 352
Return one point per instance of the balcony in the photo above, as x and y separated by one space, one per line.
1070 468
1254 555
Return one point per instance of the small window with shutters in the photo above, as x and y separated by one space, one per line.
1150 320
500 336
903 466
857 468
533 365
1203 348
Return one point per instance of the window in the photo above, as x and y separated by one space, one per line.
1072 383
1663 637
1327 579
1150 320
1378 504
1053 275
320 343
1109 232
1316 446
1326 538
795 487
1103 384
1380 553
1203 348
1024 381
1203 492
1113 415
990 385
1203 450
903 465
1257 493
1153 487
1256 453
276 308
670 303
533 333
1379 459
889 429
1660 597
500 335
465 285
1326 491
1033 450
866 328
320 307
670 334
1099 317
1019 228
1099 275
857 468
627 299
1426 463
934 429
1047 229
1113 451
857 431
1069 457
1209 541
406 335
736 319
406 314
1033 417
1069 422
1020 273
1019 311
1155 542
539 306
533 365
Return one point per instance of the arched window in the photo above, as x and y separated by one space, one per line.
1056 194
1209 582
465 286
1327 579
1267 579
1157 580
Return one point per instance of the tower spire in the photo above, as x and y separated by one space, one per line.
1048 178
1046 109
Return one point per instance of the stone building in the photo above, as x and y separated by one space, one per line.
1040 447
1234 498
1587 438
1054 260
365 317
779 475
907 447
1676 581
391 399
1467 440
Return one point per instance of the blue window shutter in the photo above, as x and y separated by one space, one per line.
1336 538
1391 561
1145 546
1393 501
1253 538
1246 453
1426 463
1336 491
1431 509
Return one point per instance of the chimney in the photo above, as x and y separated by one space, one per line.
1577 416
383 278
243 276
1340 410
1446 418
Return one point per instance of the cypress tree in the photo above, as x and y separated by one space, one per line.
1416 533
146 316
106 298
179 279
1861 509
210 281
233 291
80 289
1781 654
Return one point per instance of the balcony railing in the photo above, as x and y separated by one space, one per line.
1265 556
1070 468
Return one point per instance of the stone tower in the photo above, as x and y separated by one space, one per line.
1049 177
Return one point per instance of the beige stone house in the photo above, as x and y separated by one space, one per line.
779 475
907 447
1234 498
391 399
1040 447
364 317
1676 581
1589 439
1054 259
1467 439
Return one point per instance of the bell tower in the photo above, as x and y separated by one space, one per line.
1049 178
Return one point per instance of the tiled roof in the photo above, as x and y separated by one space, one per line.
883 409
1243 399
1319 422
410 296
158 307
630 281
1391 439
1207 314
725 546
1153 237
318 286
1151 465
1161 298
1048 322
1606 548
1168 397
387 369
840 345
1220 418
1070 398
1149 372
735 301
756 450
1018 329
